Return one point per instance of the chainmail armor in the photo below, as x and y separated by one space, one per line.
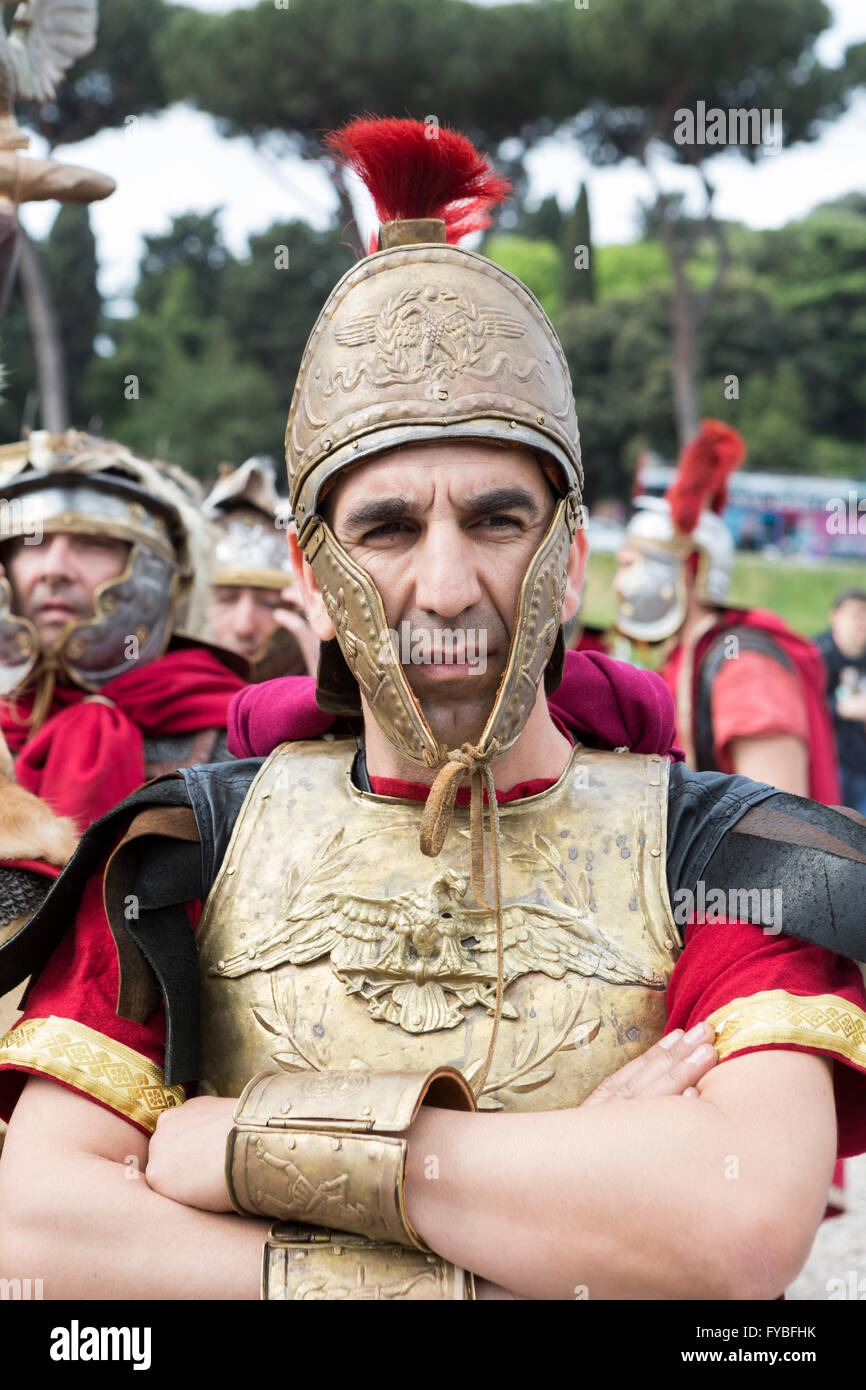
21 892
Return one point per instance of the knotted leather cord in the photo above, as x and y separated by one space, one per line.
46 679
435 823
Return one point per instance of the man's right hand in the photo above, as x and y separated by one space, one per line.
672 1067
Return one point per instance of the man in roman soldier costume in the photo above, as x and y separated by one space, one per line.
750 693
436 1041
254 608
101 688
105 561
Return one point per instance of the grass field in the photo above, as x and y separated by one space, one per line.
801 594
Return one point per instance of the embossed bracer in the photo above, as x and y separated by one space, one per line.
305 1264
328 1149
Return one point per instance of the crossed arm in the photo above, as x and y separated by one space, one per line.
650 1189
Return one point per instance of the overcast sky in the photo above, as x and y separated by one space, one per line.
176 162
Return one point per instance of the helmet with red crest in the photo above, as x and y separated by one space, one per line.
669 531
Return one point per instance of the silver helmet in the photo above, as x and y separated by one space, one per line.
653 596
652 591
80 484
250 522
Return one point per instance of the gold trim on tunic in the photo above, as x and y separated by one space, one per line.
109 1071
825 1021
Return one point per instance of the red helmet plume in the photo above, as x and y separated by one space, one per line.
705 465
415 170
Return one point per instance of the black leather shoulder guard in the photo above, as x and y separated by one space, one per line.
801 869
216 794
783 862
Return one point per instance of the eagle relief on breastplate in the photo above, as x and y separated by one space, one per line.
329 942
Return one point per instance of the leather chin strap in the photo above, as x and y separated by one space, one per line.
45 674
435 822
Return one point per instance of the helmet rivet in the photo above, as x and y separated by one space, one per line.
512 424
356 443
326 443
539 419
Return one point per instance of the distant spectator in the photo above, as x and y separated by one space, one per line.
843 648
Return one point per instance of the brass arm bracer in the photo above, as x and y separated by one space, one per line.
302 1263
329 1149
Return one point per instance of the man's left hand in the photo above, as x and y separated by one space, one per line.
187 1153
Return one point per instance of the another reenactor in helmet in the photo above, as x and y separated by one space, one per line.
750 692
104 683
255 609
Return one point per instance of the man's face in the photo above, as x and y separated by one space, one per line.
54 582
447 533
848 625
242 618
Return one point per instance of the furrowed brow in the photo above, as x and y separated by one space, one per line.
502 499
381 510
376 513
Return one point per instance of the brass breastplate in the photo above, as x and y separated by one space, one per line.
328 941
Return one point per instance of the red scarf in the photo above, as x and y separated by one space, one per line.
89 754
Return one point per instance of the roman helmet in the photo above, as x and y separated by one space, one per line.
653 594
82 484
250 521
424 340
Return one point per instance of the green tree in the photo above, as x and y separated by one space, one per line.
71 270
577 281
120 80
194 241
613 77
178 387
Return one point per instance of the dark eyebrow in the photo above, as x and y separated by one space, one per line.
385 509
377 513
502 499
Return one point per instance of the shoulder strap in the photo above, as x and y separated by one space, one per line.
151 874
750 639
216 794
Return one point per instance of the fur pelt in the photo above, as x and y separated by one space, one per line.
29 829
